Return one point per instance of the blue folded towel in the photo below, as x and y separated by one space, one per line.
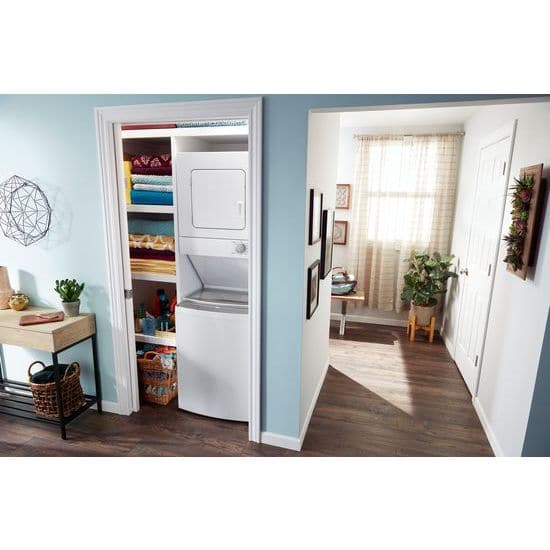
151 197
151 179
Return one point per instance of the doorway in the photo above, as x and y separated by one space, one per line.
108 122
482 123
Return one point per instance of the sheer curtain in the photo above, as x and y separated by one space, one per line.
403 199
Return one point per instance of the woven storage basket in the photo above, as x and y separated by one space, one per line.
156 383
45 396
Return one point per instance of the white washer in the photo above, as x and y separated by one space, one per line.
213 370
212 194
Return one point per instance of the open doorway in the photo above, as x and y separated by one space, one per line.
424 183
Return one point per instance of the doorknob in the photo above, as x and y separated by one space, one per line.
464 271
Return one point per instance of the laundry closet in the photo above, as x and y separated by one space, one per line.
184 224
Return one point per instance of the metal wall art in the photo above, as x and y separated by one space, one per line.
25 213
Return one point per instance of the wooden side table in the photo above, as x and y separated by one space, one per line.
355 297
15 397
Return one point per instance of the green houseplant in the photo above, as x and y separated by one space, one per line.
426 278
69 291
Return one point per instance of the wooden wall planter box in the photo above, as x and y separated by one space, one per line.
534 221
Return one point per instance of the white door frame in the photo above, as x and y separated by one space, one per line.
108 121
504 132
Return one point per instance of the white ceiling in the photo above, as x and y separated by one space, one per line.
439 116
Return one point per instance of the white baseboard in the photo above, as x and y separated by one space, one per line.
307 419
110 407
278 440
371 320
497 450
448 344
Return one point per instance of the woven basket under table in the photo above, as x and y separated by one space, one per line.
156 383
45 395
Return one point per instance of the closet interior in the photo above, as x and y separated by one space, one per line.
185 218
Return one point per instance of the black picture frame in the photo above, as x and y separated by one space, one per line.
315 216
313 280
327 242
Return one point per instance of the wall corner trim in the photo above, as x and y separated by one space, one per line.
279 440
307 419
487 427
112 407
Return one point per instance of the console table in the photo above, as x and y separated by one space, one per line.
357 296
15 397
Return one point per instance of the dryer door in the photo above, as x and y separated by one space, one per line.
217 198
212 195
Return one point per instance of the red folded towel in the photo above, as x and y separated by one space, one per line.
152 164
150 254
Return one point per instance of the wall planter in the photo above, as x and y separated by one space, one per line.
523 233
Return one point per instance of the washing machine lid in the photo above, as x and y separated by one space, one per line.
234 299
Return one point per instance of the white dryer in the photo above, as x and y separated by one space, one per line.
212 195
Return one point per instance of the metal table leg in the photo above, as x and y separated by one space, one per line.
60 408
96 373
343 318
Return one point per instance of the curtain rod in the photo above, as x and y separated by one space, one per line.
366 136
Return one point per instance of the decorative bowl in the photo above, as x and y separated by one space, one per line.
19 301
343 288
342 282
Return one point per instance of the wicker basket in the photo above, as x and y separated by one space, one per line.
45 396
157 384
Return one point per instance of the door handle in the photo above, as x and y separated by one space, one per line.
240 208
464 271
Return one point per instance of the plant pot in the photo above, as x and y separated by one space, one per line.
423 314
71 309
5 296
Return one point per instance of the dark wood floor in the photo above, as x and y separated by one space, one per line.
382 397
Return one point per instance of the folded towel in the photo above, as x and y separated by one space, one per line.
213 123
157 171
151 179
150 254
152 162
152 266
154 242
154 188
151 197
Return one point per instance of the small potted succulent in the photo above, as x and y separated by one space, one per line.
427 277
69 291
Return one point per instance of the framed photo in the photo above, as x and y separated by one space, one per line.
312 288
340 232
343 196
315 213
326 242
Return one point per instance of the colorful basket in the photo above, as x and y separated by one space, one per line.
157 384
45 395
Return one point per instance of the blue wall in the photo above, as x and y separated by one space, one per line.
52 139
537 437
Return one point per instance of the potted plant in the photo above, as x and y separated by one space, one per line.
426 278
70 291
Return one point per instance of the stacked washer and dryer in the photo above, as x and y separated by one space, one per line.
212 318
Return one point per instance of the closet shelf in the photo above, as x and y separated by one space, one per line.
149 209
156 340
209 131
157 277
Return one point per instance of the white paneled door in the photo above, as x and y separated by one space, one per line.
477 272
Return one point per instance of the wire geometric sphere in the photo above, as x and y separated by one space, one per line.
25 213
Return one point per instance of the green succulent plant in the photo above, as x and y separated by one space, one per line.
427 276
69 289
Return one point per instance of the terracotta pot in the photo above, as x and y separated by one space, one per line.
5 289
423 314
71 309
5 296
